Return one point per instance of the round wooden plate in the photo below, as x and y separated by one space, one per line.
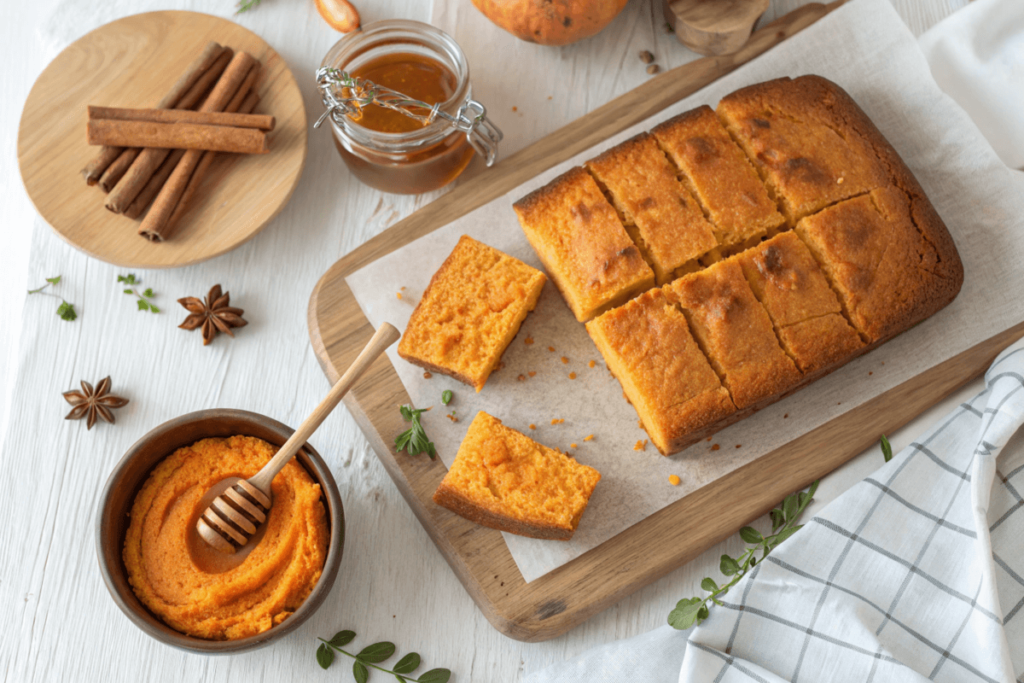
132 62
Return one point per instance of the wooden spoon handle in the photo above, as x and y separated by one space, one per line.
384 337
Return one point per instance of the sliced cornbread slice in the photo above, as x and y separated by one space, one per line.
809 140
735 333
720 175
647 346
504 480
808 319
891 268
470 312
583 245
659 213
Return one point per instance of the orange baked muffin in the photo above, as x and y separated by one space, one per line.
470 312
584 247
889 258
647 346
504 480
721 177
660 214
807 316
809 140
734 332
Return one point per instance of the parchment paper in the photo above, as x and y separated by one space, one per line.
866 49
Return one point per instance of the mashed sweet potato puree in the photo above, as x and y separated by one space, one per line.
177 576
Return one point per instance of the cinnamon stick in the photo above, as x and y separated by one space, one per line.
205 118
247 105
112 176
177 136
142 169
156 183
94 170
155 223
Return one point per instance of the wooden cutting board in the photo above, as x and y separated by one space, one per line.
132 62
564 598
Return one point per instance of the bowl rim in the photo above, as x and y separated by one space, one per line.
164 633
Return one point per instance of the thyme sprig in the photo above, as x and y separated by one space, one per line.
66 310
372 655
690 611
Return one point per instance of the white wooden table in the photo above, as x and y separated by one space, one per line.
394 585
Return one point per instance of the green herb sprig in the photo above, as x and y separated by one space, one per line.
446 396
690 611
246 5
414 440
66 311
372 655
143 299
886 448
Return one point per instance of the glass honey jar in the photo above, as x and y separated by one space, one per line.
399 99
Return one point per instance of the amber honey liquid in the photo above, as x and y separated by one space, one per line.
424 167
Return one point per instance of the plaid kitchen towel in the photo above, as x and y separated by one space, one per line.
914 574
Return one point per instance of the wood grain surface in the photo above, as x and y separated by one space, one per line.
561 600
131 62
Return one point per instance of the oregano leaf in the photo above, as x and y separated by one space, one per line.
359 672
408 663
435 676
342 638
376 653
324 656
54 280
789 507
446 396
728 565
685 613
750 534
709 584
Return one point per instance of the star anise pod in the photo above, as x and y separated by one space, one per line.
93 402
213 315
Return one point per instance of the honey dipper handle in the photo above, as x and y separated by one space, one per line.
385 336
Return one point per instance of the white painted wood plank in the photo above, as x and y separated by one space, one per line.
393 584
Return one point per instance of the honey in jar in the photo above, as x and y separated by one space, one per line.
386 149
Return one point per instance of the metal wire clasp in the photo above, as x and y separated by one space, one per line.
345 95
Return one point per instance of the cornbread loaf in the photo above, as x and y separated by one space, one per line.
504 480
806 314
659 213
721 177
470 312
826 247
583 245
647 345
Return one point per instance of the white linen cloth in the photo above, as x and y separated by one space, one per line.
916 573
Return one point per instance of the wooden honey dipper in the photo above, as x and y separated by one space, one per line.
241 506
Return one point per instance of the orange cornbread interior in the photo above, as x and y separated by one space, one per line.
659 213
648 348
504 480
807 316
721 177
470 312
584 247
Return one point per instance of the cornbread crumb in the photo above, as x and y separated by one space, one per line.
504 480
715 447
641 445
785 416
427 375
565 361
528 340
572 445
532 373
398 294
591 364
870 373
739 446
521 378
674 479
451 416
551 348
589 437
533 426
572 375
557 421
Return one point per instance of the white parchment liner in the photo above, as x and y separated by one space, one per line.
865 48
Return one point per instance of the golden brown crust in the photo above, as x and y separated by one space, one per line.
648 347
721 176
659 213
470 311
581 242
454 500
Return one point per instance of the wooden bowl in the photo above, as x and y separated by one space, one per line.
131 472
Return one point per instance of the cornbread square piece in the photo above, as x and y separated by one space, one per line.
734 332
504 480
647 346
809 140
808 319
720 175
583 245
659 213
470 312
888 256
